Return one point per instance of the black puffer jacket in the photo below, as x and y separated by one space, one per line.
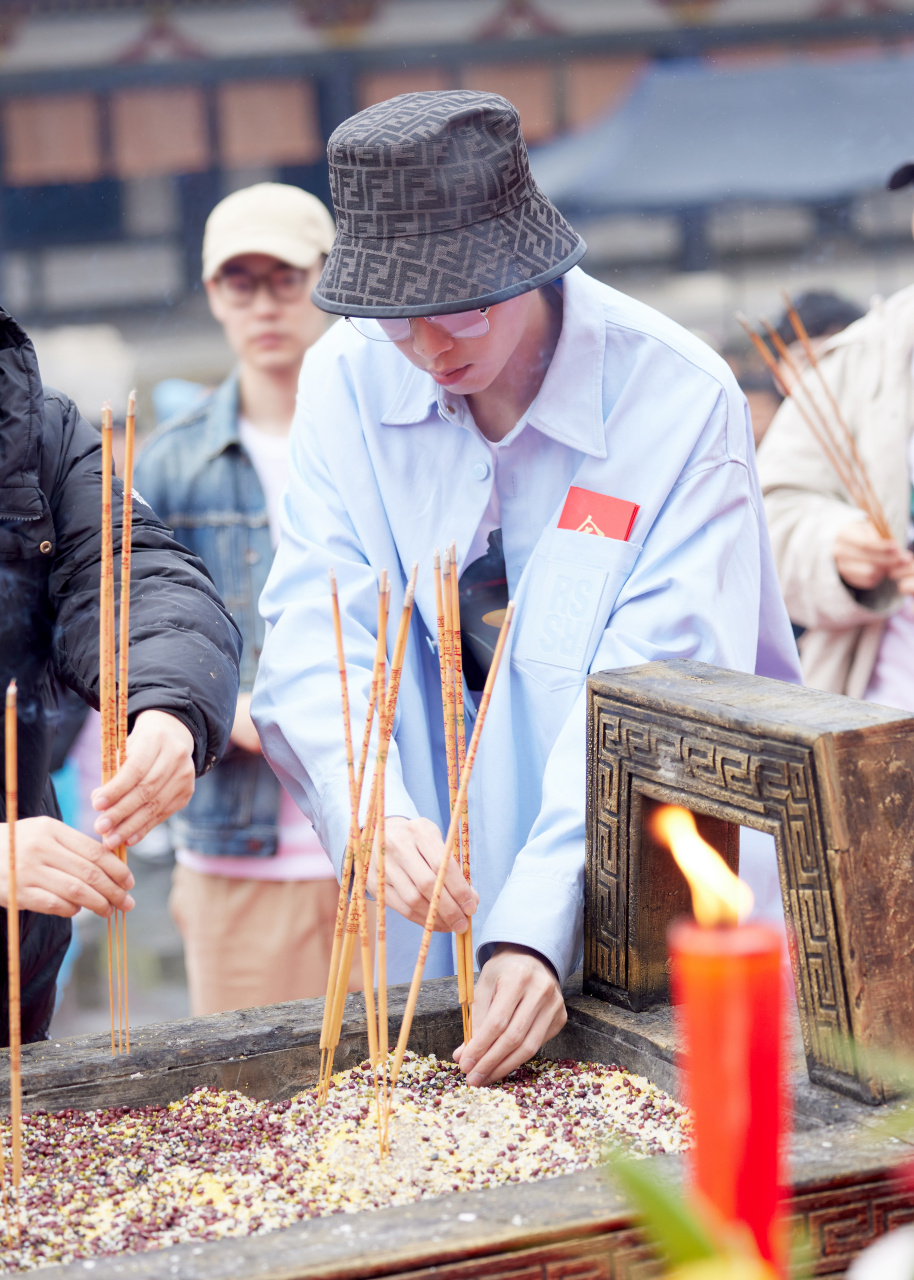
184 647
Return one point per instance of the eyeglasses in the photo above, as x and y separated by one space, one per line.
240 287
459 324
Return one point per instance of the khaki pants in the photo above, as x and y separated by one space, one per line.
254 942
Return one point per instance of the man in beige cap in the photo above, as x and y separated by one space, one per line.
254 894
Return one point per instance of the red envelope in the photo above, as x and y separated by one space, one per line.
597 513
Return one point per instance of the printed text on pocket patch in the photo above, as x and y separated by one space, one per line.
568 601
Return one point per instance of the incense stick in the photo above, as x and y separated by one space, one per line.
354 836
820 431
443 596
790 382
12 934
457 647
346 875
857 485
386 721
122 686
383 1030
432 915
799 329
339 975
106 680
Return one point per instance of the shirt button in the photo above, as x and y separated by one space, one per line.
251 557
45 548
449 408
480 470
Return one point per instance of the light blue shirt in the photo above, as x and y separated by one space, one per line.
385 466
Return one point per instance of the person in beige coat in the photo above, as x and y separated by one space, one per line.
851 589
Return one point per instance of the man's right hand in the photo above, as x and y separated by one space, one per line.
412 852
864 558
59 870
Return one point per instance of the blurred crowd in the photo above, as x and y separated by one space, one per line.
254 895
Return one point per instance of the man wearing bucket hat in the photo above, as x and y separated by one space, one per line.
590 459
254 894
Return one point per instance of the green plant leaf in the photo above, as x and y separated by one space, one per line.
671 1222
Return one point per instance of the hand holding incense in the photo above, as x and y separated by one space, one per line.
449 846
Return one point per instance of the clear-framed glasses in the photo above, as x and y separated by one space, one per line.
459 324
239 286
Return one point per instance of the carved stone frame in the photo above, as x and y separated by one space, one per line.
645 749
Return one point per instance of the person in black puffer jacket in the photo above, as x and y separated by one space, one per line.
184 655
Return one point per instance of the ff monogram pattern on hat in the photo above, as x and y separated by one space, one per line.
436 209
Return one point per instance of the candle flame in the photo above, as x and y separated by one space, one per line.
718 896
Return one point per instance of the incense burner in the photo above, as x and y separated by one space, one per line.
569 1225
831 778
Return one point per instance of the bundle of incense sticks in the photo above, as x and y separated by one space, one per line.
450 846
352 914
447 602
113 708
819 411
351 917
11 747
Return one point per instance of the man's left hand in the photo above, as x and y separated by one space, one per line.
155 780
518 1007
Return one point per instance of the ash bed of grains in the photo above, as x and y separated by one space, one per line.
217 1164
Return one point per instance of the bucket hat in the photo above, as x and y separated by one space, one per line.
437 210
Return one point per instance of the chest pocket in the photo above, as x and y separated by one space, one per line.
573 587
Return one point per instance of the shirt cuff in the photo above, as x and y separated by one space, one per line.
545 915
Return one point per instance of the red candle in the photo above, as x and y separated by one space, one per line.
727 986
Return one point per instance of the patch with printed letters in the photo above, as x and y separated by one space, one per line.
597 513
568 603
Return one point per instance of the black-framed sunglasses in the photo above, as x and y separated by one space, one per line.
459 324
239 286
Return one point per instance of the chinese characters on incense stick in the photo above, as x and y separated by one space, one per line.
113 689
368 838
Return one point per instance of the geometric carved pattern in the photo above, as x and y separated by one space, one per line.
765 783
838 1222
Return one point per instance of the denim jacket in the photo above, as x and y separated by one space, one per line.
197 477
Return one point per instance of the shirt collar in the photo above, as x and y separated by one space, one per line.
573 419
222 417
569 407
415 397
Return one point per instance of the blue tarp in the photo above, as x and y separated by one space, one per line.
801 131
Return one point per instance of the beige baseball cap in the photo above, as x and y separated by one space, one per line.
285 222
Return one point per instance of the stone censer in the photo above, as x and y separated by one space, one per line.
831 779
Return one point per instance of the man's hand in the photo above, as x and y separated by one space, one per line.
413 853
518 1007
156 779
243 734
59 870
864 559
